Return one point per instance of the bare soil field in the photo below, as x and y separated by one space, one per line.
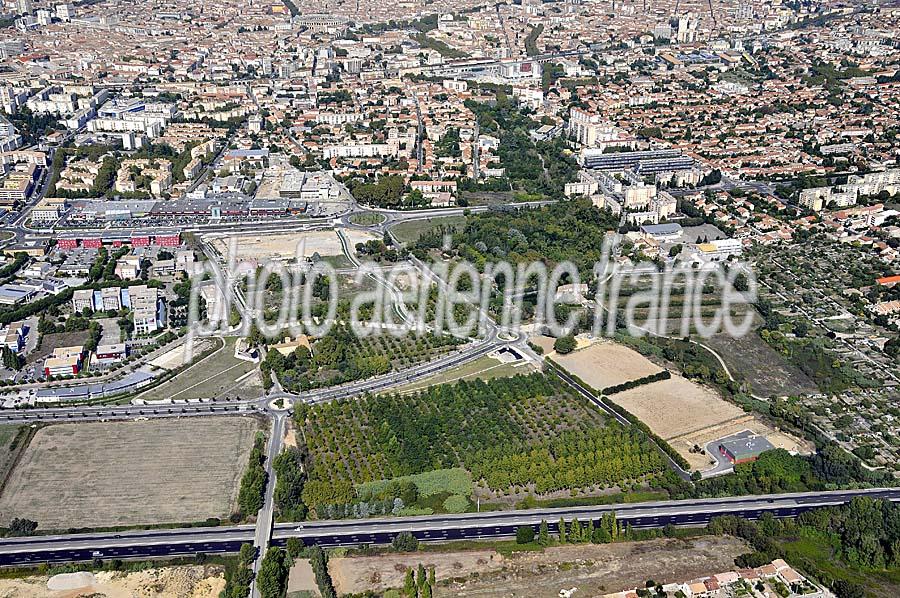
302 578
685 413
592 568
166 582
130 473
175 358
605 363
677 406
281 246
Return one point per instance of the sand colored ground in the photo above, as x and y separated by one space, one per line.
778 438
302 578
358 236
281 246
604 363
358 574
685 413
677 406
592 568
175 358
166 582
130 473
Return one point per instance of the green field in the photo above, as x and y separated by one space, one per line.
410 231
367 218
13 440
215 376
483 368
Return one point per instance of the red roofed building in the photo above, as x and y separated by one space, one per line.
888 281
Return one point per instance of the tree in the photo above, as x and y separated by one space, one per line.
405 542
565 344
544 533
524 534
22 527
421 578
562 530
409 585
294 547
575 532
273 572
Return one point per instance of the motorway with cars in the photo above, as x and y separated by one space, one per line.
276 405
438 528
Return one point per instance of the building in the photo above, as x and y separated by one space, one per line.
13 294
81 299
642 162
48 210
590 130
64 361
110 299
14 336
289 346
662 232
107 354
744 449
17 186
147 308
720 249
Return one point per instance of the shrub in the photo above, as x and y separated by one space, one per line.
524 534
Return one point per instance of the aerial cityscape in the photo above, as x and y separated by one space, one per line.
431 298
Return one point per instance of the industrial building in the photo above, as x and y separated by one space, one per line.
744 449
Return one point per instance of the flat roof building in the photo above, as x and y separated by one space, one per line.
744 449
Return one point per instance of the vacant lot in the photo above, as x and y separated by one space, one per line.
130 473
677 406
281 246
768 372
50 342
605 363
685 413
220 375
410 231
592 568
177 357
166 582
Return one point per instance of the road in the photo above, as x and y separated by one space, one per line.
352 532
266 515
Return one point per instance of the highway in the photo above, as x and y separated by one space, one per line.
495 524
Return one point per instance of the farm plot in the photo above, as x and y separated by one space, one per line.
677 406
687 414
130 473
605 364
514 435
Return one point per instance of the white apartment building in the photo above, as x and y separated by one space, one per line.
362 150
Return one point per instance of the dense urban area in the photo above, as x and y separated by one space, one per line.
178 178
